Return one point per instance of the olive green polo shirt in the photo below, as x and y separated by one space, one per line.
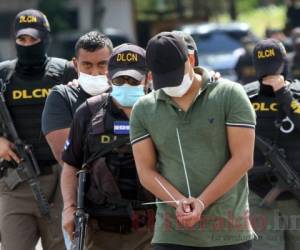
202 132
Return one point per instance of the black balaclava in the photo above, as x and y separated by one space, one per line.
268 90
33 55
32 59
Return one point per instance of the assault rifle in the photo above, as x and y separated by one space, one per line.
84 181
81 217
287 178
28 169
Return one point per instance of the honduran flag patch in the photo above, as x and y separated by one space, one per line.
121 127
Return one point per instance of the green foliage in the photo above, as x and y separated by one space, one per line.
152 9
261 18
265 17
145 5
246 5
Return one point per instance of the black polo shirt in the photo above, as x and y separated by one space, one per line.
60 107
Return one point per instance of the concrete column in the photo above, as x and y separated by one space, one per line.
85 14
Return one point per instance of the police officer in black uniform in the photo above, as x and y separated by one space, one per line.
100 135
244 66
92 52
28 80
276 102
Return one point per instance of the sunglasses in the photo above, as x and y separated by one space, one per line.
121 80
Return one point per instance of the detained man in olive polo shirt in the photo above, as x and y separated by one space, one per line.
193 142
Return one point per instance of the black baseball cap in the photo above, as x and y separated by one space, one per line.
127 60
269 56
33 23
190 43
166 54
188 39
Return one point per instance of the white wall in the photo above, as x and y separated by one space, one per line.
85 11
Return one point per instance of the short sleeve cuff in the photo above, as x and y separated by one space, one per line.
242 125
140 138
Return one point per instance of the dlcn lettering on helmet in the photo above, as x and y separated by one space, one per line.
127 57
28 94
261 106
28 19
265 53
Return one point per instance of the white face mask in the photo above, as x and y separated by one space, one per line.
180 90
93 85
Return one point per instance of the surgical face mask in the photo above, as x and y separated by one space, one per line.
180 90
93 85
127 95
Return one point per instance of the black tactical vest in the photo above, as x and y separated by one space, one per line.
25 99
275 126
106 136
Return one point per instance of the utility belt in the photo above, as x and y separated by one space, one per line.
121 220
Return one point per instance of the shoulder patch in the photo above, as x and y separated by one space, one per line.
252 89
